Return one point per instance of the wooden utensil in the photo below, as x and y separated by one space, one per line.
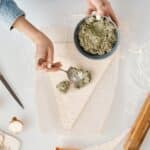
140 128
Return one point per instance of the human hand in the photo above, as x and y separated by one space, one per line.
102 8
45 54
44 46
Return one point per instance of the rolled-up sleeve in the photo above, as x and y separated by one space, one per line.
9 12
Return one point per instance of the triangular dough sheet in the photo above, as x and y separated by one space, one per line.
111 145
70 105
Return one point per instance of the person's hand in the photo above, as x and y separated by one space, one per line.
45 54
102 8
44 46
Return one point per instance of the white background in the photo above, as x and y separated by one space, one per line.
17 64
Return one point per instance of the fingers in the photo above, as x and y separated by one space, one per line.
90 11
100 13
40 58
114 18
54 67
102 8
91 8
50 65
97 9
108 11
44 59
57 65
50 55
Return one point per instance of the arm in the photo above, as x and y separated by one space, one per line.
102 7
44 46
14 17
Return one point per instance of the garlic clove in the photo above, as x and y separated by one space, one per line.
15 125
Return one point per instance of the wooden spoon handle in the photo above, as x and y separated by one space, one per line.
140 128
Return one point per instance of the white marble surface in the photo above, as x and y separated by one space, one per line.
17 64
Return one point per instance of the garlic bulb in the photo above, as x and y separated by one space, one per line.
15 125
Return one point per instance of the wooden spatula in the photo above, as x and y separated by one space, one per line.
140 128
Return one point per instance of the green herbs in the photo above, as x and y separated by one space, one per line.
97 37
63 86
77 76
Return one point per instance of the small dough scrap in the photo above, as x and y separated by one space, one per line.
63 86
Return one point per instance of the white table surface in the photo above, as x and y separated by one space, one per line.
17 64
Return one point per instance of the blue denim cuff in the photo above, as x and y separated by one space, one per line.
9 12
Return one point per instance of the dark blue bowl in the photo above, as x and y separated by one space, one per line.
81 49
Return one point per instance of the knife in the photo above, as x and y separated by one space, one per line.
5 83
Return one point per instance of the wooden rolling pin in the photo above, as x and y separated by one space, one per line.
140 128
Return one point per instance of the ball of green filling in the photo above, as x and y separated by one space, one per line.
79 77
63 86
84 81
97 36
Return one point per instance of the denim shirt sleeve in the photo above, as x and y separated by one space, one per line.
9 12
